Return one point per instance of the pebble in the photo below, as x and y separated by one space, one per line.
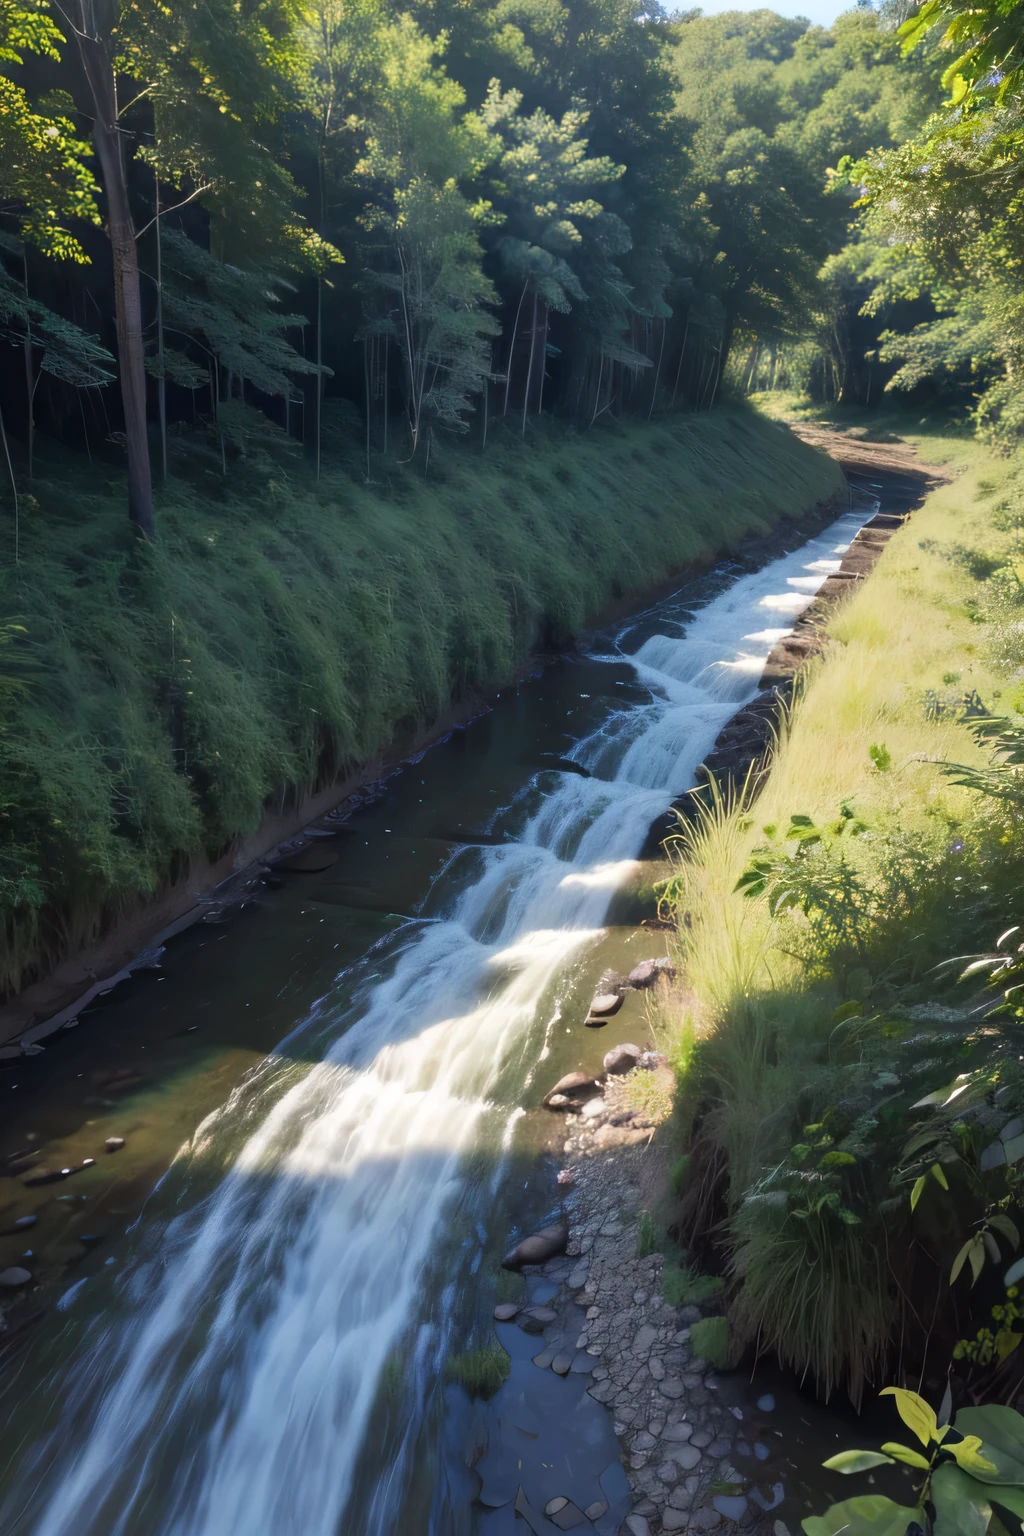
668 1472
687 1456
719 1448
114 1143
656 1368
562 1365
671 1387
505 1311
596 1510
674 1520
766 1403
681 1431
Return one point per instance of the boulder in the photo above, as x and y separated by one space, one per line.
14 1277
538 1247
649 971
574 1085
605 1004
622 1058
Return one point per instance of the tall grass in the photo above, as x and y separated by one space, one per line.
280 631
800 1064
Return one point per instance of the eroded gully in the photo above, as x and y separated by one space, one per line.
331 1110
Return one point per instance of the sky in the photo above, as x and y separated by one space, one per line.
822 12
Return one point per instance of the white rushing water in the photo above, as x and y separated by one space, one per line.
231 1394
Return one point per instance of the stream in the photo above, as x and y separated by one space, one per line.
330 1103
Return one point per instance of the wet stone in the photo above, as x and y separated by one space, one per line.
596 1510
554 1505
562 1364
637 1525
687 1457
732 1506
569 1517
719 1448
668 1472
11 1279
674 1520
671 1387
505 1311
705 1520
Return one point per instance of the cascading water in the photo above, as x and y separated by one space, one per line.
230 1386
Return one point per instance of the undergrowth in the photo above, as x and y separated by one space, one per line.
847 1110
280 631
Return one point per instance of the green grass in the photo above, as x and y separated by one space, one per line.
803 1052
279 632
683 1286
481 1371
711 1339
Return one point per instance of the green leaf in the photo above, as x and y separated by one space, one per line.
938 1175
857 1461
915 1413
917 1191
1004 1225
962 1506
1002 1435
969 1456
908 1457
869 1515
1014 1273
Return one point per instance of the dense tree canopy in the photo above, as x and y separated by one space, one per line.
493 208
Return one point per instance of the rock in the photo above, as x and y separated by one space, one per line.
637 1525
622 1058
505 1311
546 1357
668 1472
674 1520
732 1506
687 1456
656 1368
705 1520
574 1085
720 1448
596 1510
562 1364
702 1439
554 1505
535 1319
643 1339
671 1387
677 1432
14 1277
651 1060
557 1101
680 1498
649 971
538 1247
568 1517
114 1143
605 1004
766 1403
689 1315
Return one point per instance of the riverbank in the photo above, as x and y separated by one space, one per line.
818 933
178 709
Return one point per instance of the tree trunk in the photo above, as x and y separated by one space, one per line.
161 388
30 387
529 370
99 74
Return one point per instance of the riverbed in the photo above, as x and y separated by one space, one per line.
330 1107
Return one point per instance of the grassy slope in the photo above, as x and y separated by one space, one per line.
759 1041
278 632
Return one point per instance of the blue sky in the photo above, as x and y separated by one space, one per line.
821 12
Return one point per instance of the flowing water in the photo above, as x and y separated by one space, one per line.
262 1352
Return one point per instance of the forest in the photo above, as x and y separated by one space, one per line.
239 227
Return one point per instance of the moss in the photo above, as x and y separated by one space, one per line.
685 1287
279 631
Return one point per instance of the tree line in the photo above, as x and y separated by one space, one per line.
224 221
